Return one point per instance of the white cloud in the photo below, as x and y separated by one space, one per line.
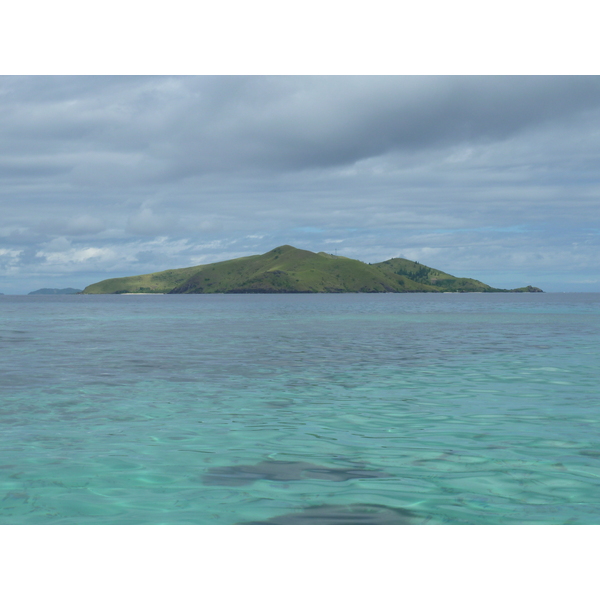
77 255
9 253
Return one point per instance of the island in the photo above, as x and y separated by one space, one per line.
289 270
55 291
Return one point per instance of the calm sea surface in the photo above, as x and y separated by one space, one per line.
325 408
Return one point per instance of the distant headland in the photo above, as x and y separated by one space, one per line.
289 270
55 291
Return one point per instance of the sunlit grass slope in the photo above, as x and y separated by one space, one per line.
162 282
289 270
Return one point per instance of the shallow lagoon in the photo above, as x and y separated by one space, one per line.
327 408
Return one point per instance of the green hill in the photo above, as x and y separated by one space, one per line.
289 270
440 281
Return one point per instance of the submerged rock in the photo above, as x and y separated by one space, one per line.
349 514
279 470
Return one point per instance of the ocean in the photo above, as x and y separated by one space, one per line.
300 409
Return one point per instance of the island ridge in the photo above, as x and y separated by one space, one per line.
286 269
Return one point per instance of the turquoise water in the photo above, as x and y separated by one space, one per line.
349 408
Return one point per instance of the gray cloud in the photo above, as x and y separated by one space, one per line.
140 173
139 129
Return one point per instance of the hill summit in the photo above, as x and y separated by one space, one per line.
286 269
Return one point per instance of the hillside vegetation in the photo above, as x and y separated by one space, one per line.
290 270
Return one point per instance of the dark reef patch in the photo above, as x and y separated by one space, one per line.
350 514
279 470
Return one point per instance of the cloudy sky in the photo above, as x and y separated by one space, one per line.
496 178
